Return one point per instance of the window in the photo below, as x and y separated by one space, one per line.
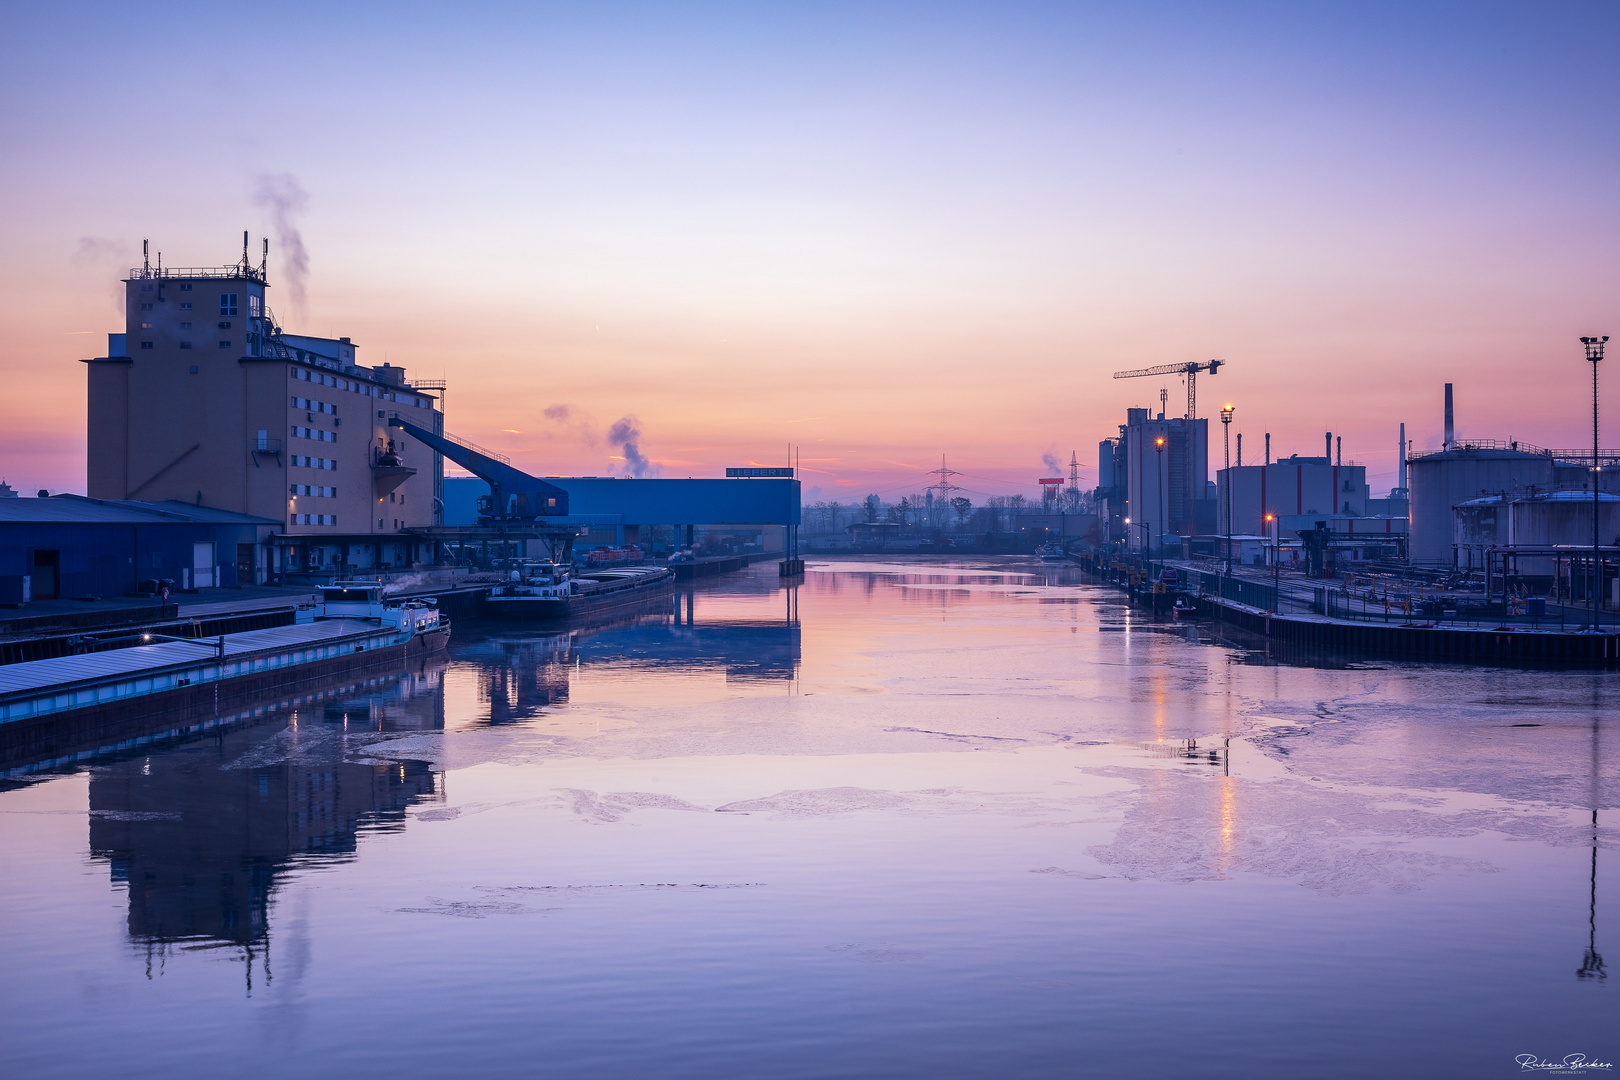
225 344
224 326
227 303
146 326
146 307
146 344
185 286
186 306
194 369
185 344
255 305
185 326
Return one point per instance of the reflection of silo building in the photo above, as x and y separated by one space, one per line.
198 832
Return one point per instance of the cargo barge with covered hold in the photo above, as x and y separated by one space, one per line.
351 627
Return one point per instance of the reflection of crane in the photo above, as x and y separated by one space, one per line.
1190 369
514 495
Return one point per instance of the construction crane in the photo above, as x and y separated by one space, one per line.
1190 369
514 496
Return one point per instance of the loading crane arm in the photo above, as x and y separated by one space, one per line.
514 495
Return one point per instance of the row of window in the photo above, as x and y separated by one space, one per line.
356 387
316 490
314 462
313 433
313 406
314 519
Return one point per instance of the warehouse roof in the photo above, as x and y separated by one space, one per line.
76 509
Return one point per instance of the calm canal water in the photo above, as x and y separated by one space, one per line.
966 819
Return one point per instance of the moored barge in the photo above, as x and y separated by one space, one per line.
352 626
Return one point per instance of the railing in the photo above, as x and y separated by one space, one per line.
265 446
1573 457
239 270
475 448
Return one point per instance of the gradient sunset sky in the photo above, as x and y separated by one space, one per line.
882 232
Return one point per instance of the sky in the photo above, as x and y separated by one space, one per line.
879 233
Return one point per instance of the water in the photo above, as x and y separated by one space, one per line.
906 820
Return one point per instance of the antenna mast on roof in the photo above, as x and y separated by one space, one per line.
146 255
264 264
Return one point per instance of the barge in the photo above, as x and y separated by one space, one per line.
550 591
352 626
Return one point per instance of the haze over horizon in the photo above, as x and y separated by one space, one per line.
881 233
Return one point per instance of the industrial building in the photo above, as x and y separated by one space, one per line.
71 547
658 514
1462 471
1300 486
204 400
1153 480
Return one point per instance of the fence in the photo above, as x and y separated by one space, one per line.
1238 590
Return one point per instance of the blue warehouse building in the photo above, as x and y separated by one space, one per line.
71 547
653 512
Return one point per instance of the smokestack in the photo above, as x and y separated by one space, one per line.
1240 449
1400 457
1450 436
1268 448
1327 447
1338 451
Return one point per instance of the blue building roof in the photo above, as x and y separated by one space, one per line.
77 509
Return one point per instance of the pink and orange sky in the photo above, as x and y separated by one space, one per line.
881 232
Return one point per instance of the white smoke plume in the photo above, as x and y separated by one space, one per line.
1054 467
107 260
626 433
286 199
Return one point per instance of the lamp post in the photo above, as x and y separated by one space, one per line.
1277 583
1594 353
1226 431
1164 515
1147 533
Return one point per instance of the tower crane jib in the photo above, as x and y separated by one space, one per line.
1189 369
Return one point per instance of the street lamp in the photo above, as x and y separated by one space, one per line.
1594 353
1164 515
1147 533
1226 431
1276 562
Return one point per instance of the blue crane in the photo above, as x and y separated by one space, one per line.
514 496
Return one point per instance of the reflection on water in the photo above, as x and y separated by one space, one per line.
525 669
924 819
200 831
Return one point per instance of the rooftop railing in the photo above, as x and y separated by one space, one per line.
1572 457
239 270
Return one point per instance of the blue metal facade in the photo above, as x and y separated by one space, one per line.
649 502
99 548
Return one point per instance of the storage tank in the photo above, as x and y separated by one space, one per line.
1442 480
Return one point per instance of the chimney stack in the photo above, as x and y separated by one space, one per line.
1450 436
1338 451
1268 448
1400 458
1240 449
1327 448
